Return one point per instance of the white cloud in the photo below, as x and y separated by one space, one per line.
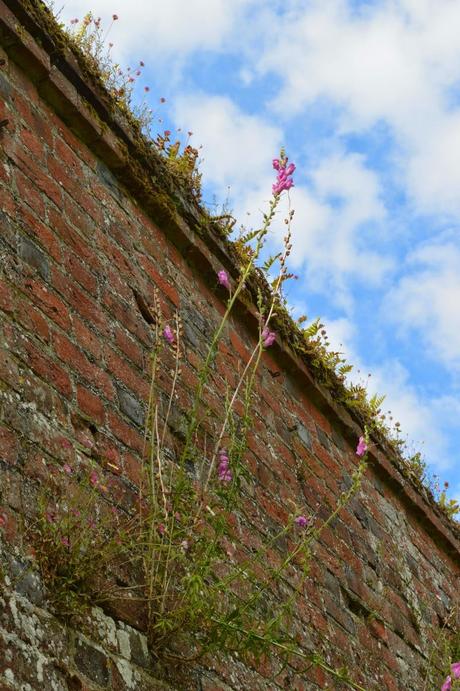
394 62
333 222
149 28
428 299
237 148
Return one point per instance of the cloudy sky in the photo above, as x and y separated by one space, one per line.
365 97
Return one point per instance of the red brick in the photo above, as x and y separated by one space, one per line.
85 306
76 360
126 433
49 303
90 405
33 144
29 194
163 284
87 338
77 270
48 370
126 374
129 347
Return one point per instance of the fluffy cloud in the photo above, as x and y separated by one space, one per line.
428 297
173 28
425 420
237 148
396 61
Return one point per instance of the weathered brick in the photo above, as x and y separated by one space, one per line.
90 404
34 256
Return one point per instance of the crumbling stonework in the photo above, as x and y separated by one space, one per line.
83 245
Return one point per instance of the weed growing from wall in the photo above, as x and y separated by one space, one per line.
207 588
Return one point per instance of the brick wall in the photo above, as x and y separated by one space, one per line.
84 242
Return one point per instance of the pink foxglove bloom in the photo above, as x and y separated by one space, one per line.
268 337
168 334
301 521
362 447
223 472
222 277
284 179
455 671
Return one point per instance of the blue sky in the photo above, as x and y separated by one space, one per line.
365 97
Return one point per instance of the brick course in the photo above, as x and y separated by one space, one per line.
79 238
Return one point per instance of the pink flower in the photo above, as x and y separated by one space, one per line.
223 472
301 521
168 334
3 520
284 179
222 277
455 671
268 337
67 469
362 447
94 478
65 541
161 529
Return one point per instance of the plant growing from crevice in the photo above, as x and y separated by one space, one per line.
210 578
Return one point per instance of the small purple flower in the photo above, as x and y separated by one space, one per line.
65 541
284 179
362 447
268 337
67 469
222 277
223 472
455 671
301 521
168 334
